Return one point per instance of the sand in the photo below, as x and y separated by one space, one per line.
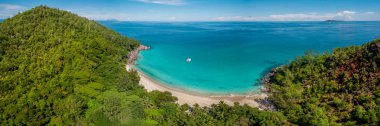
191 98
187 97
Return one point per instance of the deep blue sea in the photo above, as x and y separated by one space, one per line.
230 57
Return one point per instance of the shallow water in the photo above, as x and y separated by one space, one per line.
230 57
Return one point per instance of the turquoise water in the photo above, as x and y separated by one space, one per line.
230 57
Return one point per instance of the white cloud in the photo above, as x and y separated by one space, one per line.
342 15
240 18
301 17
345 14
10 7
173 18
165 2
8 10
105 16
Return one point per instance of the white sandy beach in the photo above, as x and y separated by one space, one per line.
191 98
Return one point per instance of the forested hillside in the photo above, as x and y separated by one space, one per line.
57 68
54 63
331 89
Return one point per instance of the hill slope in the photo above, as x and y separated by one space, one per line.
52 62
338 88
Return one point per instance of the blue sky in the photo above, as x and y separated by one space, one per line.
207 10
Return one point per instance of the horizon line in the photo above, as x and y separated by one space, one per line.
222 21
234 21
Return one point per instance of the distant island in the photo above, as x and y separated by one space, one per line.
57 68
334 20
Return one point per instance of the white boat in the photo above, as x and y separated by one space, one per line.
188 59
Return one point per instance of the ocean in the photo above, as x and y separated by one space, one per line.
231 57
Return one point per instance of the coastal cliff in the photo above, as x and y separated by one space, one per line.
133 55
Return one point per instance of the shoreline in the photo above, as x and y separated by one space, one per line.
258 100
